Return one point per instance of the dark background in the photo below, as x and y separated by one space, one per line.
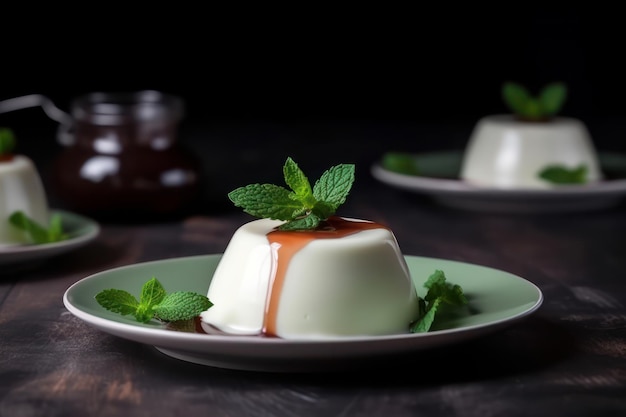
363 63
318 80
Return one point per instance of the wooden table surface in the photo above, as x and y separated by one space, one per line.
566 359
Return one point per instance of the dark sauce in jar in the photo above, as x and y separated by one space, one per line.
125 161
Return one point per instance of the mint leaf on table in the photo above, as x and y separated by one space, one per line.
440 292
301 206
38 233
559 174
154 303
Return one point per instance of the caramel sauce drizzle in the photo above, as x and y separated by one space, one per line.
284 246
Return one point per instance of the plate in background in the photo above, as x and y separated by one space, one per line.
439 179
81 230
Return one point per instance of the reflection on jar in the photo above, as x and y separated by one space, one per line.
97 167
125 160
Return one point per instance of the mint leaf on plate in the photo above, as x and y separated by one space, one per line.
559 174
181 305
154 303
400 162
440 293
7 141
38 233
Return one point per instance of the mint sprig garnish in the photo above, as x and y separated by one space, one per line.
38 233
559 174
439 293
302 207
154 303
543 106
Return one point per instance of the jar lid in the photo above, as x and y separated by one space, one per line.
102 108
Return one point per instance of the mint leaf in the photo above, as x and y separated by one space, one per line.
299 183
546 104
266 201
181 305
323 210
118 301
152 292
559 174
439 293
55 231
37 233
517 98
400 162
438 288
427 319
144 313
7 141
334 185
301 208
552 97
154 303
304 223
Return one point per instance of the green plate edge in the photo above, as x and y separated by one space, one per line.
447 164
495 296
76 225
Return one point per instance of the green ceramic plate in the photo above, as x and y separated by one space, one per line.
436 174
497 299
81 230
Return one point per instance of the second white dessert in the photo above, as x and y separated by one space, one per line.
504 152
20 189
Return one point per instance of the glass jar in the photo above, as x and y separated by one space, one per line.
124 160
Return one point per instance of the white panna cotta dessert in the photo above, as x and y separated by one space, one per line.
302 273
348 278
21 189
531 148
504 152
